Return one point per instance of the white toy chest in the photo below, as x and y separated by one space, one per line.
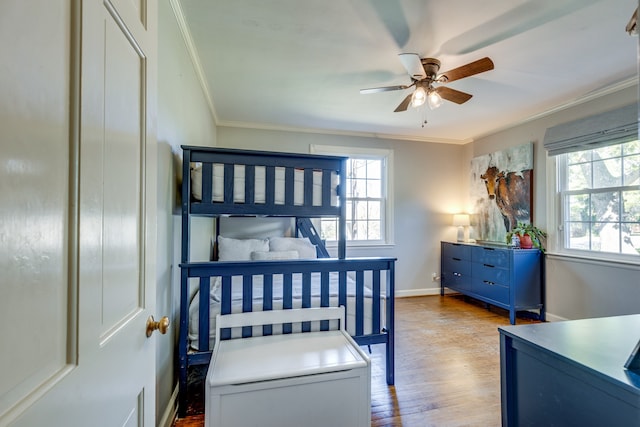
300 379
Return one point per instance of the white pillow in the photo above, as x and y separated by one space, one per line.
239 249
303 245
196 183
262 255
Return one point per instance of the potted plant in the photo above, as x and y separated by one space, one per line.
530 235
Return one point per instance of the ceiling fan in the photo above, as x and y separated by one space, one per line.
424 73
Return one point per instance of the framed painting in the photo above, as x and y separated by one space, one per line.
501 192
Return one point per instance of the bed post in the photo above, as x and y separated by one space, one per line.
391 274
183 346
184 280
186 200
342 220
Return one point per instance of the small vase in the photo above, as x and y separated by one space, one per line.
526 242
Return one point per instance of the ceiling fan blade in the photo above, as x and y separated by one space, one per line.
413 65
453 95
384 89
472 68
404 104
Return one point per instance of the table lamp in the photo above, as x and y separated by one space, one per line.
461 221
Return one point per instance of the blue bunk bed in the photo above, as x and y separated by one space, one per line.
227 182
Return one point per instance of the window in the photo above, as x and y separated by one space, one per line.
600 199
368 207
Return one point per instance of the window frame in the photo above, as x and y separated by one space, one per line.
386 156
558 211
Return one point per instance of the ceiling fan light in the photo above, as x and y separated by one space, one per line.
419 97
434 99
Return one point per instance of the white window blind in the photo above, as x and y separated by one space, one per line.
600 130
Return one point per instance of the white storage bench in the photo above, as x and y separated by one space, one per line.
300 379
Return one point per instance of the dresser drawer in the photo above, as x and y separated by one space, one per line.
490 256
489 273
457 265
490 290
453 250
456 274
456 280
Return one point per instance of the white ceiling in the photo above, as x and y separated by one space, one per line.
299 64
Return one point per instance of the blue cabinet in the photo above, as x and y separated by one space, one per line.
501 276
570 373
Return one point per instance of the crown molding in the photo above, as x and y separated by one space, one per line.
270 127
624 84
193 54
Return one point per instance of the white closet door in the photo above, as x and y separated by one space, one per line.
77 181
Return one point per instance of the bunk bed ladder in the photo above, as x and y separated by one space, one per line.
306 229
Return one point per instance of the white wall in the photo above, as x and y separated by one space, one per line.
426 186
575 288
184 117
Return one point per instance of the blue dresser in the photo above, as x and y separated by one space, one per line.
498 275
570 373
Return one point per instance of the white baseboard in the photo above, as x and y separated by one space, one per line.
554 318
170 411
421 292
416 292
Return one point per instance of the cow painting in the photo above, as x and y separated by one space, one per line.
511 192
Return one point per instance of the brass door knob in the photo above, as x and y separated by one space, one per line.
162 325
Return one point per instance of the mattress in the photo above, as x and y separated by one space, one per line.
236 305
260 185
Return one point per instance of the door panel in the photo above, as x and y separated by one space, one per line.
134 12
34 195
80 263
135 415
123 284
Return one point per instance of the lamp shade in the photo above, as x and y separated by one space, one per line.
434 100
461 220
419 97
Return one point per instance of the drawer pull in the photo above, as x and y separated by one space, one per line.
456 259
489 249
487 282
489 265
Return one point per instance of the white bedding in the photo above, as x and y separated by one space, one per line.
259 195
236 305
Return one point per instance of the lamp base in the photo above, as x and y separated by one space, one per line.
461 234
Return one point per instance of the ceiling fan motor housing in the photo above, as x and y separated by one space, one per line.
431 67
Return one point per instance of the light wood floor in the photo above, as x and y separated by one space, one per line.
447 366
